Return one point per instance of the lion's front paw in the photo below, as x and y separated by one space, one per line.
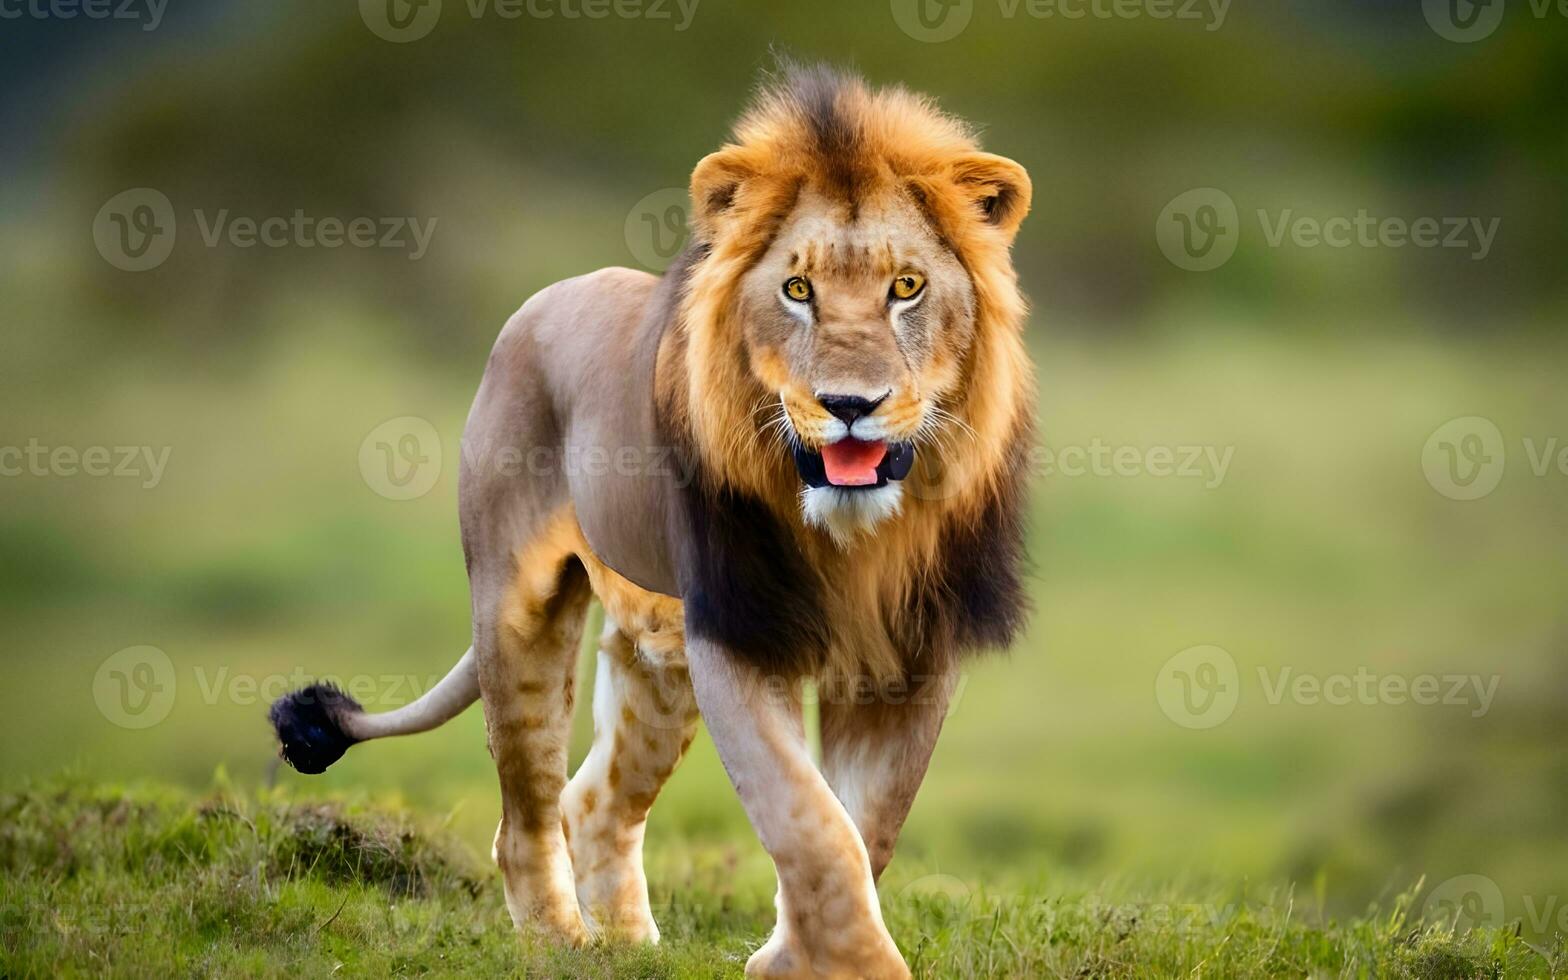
782 957
553 926
628 922
778 959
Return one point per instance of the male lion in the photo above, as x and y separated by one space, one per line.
799 454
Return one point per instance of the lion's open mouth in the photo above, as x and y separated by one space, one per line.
853 463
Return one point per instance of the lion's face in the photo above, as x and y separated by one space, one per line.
859 322
852 290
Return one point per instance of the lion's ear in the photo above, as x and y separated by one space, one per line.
714 185
998 188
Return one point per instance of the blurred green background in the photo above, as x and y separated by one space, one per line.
1330 544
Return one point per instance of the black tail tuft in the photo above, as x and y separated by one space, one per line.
310 730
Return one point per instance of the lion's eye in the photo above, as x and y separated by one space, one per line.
908 285
797 289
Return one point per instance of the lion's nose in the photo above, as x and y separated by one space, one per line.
848 408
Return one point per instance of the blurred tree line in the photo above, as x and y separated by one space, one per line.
529 139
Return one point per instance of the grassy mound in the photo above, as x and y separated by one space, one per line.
102 881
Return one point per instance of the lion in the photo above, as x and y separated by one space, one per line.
800 454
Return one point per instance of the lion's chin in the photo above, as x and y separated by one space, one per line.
846 513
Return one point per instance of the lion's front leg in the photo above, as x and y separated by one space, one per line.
830 923
876 745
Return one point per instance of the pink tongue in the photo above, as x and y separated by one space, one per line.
852 463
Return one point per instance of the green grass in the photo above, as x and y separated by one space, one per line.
1061 802
100 880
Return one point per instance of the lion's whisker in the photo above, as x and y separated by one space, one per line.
942 414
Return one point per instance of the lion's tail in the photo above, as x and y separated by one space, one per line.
317 724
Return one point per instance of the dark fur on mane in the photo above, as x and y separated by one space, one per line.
817 94
973 599
748 585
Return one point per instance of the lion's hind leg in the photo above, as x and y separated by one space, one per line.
526 638
644 718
